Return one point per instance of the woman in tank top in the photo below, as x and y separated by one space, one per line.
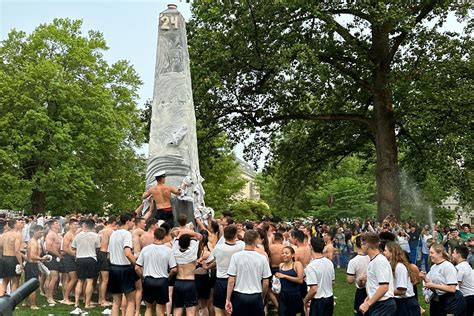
290 274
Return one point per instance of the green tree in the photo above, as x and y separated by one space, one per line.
68 123
349 75
250 209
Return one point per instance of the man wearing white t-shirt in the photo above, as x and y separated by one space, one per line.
152 265
380 298
86 244
122 274
319 277
357 273
249 273
465 276
220 258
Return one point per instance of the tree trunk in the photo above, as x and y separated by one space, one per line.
387 176
38 202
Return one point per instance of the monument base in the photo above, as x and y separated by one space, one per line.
182 207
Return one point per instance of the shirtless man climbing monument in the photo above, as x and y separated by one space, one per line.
161 194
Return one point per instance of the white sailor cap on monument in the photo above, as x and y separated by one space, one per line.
161 173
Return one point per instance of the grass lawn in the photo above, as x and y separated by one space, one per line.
344 301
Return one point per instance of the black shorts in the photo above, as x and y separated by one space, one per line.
203 286
9 266
121 279
184 293
87 268
359 299
220 293
166 216
469 304
69 263
384 308
453 303
322 306
103 261
155 290
408 306
31 271
53 265
1 266
247 304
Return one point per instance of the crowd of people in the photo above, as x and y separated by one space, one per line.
222 267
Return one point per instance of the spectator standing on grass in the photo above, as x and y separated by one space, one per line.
247 285
122 274
379 301
441 285
319 277
357 274
86 243
465 276
152 266
403 279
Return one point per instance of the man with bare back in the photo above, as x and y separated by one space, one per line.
103 260
33 251
302 254
12 257
70 260
149 236
161 194
328 251
53 242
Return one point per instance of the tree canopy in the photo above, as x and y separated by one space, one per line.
69 123
318 81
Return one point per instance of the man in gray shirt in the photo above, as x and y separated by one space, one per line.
86 244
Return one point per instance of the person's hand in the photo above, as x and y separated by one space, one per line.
364 307
429 284
422 275
228 306
280 275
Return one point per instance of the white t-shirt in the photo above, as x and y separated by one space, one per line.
402 280
443 273
249 268
465 278
119 240
379 272
222 254
187 256
86 244
320 272
156 260
357 267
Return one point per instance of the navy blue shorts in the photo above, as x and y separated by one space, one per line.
220 293
322 306
408 306
384 308
121 279
247 304
359 299
184 293
155 290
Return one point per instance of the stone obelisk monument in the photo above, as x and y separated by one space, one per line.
173 141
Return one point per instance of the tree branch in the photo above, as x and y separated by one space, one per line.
311 117
403 35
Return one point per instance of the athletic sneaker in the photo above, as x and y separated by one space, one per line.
107 311
77 311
